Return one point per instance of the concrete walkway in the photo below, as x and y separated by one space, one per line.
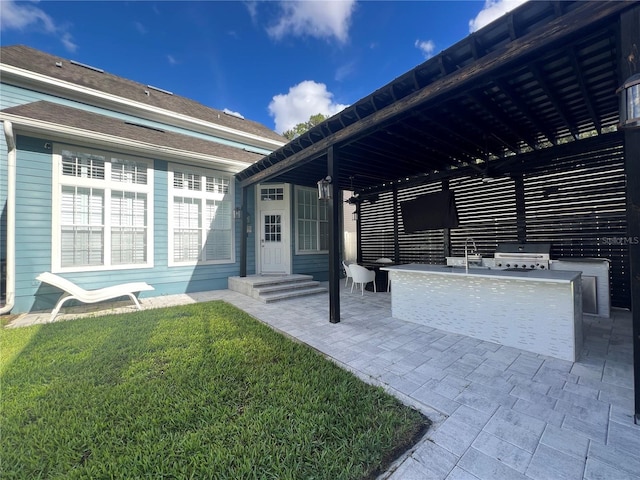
497 412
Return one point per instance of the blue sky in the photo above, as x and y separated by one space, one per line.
273 62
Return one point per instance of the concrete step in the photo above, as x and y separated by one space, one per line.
288 294
285 286
275 287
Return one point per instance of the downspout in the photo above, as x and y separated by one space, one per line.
11 215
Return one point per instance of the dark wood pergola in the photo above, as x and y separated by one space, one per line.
542 77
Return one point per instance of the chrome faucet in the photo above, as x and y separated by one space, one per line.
466 252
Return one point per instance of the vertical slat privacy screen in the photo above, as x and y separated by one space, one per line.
487 211
377 228
577 203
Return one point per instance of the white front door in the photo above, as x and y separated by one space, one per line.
273 239
273 251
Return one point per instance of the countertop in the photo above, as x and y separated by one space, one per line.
554 276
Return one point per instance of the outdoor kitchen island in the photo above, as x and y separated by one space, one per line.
535 310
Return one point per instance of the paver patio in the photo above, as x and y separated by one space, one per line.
497 412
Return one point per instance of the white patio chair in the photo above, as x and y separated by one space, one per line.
362 276
74 292
347 273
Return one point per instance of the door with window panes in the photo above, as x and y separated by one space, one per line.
274 234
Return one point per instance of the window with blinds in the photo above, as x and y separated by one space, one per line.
312 222
101 206
82 226
201 217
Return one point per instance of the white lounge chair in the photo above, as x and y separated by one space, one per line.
74 292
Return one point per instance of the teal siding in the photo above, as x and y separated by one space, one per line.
160 215
33 219
3 196
11 96
316 265
34 239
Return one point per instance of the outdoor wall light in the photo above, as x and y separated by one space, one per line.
324 188
630 102
237 213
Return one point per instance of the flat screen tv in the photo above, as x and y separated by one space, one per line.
432 211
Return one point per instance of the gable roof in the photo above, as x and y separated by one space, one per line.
49 117
30 59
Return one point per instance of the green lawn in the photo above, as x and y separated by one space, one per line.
197 391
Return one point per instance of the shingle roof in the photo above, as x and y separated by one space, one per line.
82 119
36 61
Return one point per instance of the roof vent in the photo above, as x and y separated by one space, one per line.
59 64
84 65
148 127
257 152
159 90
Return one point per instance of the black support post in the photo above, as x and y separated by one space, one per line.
629 39
632 164
334 237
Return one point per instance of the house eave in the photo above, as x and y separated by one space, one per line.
59 132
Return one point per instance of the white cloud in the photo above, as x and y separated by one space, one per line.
252 8
172 60
67 41
492 10
25 16
232 113
344 71
19 17
427 47
303 100
142 30
320 19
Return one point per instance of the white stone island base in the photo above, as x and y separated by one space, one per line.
537 311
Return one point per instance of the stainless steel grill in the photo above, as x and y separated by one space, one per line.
522 256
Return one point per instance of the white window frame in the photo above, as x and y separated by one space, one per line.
318 221
108 185
201 195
